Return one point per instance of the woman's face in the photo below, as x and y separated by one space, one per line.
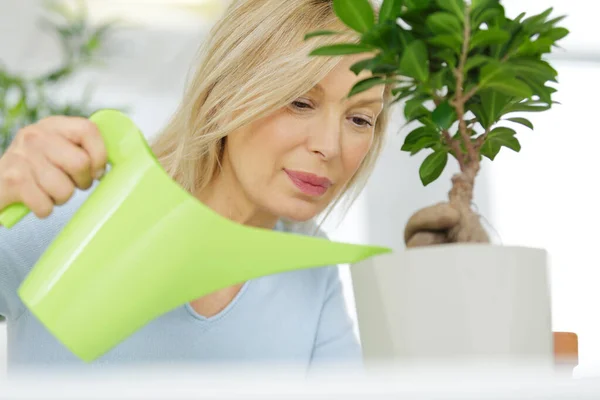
293 162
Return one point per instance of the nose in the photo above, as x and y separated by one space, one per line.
325 139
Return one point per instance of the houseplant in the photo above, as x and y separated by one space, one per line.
468 75
26 99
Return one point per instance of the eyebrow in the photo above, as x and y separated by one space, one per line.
364 102
368 102
318 88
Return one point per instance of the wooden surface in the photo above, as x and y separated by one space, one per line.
566 348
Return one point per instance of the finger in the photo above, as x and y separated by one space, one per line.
84 133
438 217
52 179
19 182
36 199
71 159
426 238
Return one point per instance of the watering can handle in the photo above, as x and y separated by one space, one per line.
122 139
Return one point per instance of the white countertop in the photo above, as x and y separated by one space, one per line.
190 383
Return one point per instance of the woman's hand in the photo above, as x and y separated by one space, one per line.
48 160
430 225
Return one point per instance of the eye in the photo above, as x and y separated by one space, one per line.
301 105
361 122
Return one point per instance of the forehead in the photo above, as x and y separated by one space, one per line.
341 79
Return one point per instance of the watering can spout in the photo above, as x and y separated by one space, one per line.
140 246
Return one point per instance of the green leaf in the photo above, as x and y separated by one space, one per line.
533 23
356 14
390 10
511 87
485 16
444 115
493 72
426 121
503 131
319 33
381 36
532 67
362 65
404 37
452 42
557 34
492 103
365 84
443 22
341 49
556 20
417 5
539 89
423 143
419 139
383 68
433 166
456 7
536 48
368 83
490 149
438 79
475 61
414 61
404 93
489 37
522 121
448 56
414 108
375 64
525 107
498 138
480 115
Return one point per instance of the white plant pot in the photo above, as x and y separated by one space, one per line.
3 349
459 301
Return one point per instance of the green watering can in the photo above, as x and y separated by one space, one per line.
141 245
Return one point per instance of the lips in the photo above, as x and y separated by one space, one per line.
309 184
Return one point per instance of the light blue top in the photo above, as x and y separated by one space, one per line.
296 318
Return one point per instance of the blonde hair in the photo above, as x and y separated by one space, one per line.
254 61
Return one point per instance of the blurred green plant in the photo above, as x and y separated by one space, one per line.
25 99
463 68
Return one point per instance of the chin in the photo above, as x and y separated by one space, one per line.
297 210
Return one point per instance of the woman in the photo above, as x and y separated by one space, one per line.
265 136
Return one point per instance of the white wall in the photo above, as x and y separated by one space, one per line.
548 197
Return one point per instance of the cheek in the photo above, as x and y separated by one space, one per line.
259 150
277 133
354 152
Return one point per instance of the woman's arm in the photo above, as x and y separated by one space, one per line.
22 245
17 249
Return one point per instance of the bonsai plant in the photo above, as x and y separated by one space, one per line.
26 99
463 69
467 73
